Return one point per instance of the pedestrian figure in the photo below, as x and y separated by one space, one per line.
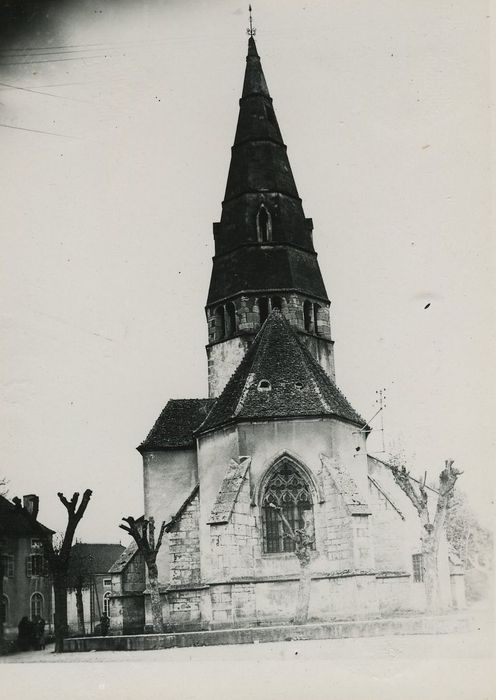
25 636
104 624
39 631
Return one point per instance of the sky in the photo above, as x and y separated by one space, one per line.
115 132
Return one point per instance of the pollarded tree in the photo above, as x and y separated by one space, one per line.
431 531
58 557
78 580
143 533
304 541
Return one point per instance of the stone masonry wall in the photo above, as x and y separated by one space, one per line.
338 542
184 545
232 543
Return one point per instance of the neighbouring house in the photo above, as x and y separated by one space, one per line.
275 429
89 573
26 586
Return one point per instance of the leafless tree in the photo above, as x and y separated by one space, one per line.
58 557
143 533
3 486
304 540
431 531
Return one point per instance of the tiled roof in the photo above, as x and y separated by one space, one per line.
13 523
297 384
346 485
96 558
124 559
228 493
175 425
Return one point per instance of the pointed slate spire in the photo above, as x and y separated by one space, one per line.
260 179
278 378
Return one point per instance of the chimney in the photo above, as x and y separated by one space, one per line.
31 504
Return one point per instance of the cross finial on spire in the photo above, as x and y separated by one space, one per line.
251 30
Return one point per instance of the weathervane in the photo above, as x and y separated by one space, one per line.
251 31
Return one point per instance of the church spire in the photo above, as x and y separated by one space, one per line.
264 254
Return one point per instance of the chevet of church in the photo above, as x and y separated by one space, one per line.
276 448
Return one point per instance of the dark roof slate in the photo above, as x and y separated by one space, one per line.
298 384
13 523
175 426
97 558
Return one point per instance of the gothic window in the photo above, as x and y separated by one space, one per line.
276 303
290 490
307 316
220 323
263 308
264 225
230 319
316 309
36 605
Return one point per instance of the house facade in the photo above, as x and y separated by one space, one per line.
275 430
89 571
26 589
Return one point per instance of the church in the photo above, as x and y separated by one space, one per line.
274 430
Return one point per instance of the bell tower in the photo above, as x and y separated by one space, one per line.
264 254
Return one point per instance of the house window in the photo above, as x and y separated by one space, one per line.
106 603
36 565
36 605
289 489
107 582
36 545
418 568
8 565
4 611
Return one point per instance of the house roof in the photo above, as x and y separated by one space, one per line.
124 559
13 522
94 558
296 384
228 492
175 425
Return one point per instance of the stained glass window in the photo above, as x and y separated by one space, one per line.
288 489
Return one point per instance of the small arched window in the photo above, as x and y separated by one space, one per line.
36 605
264 225
220 323
106 603
230 319
287 488
276 303
263 308
308 316
316 309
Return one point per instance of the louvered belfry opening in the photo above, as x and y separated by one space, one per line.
289 489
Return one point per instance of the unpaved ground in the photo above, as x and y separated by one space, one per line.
443 667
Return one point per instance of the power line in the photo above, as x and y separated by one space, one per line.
54 60
40 92
37 131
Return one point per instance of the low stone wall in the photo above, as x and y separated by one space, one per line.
252 635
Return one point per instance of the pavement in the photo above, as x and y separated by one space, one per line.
451 666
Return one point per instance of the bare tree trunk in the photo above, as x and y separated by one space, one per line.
304 586
80 609
431 574
60 617
155 600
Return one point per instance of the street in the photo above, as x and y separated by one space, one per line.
457 666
